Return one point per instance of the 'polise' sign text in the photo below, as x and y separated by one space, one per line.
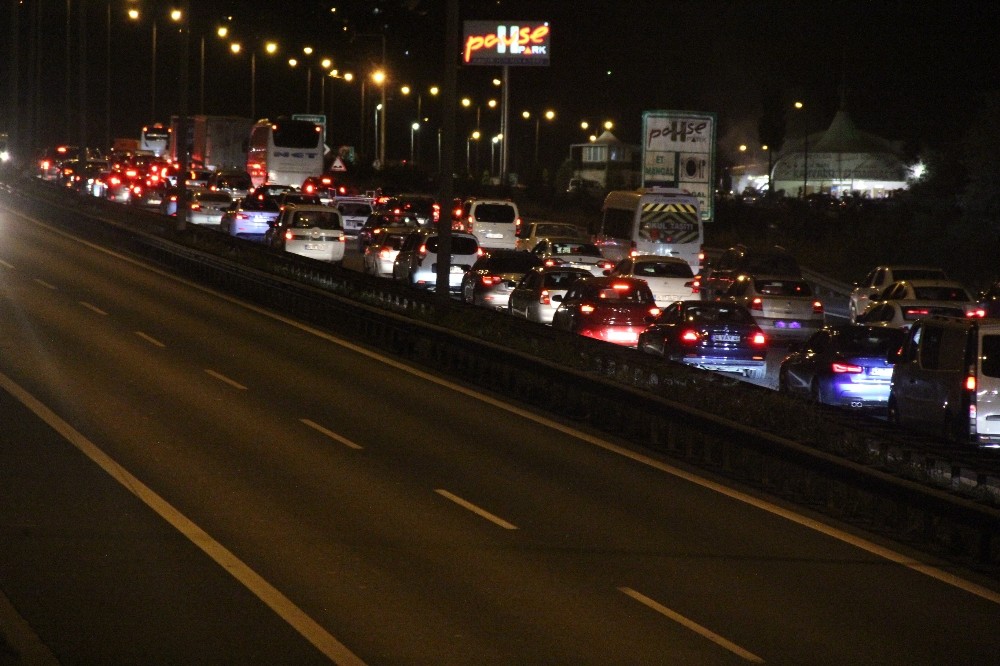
507 43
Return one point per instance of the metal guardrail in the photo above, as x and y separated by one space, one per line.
619 391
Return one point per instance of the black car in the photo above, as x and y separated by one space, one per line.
383 220
494 276
711 335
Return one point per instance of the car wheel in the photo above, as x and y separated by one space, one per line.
892 412
815 392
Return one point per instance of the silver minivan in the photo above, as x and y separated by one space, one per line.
946 378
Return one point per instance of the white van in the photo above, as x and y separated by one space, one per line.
946 377
494 222
665 221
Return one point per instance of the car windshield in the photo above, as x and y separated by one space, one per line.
307 219
459 245
863 341
494 213
717 314
580 249
656 269
782 288
940 294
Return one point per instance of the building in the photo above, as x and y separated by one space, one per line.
606 164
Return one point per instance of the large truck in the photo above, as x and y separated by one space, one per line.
217 143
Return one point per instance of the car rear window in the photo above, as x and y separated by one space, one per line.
214 197
663 269
990 355
782 288
775 264
307 219
459 245
870 341
266 204
513 263
941 294
719 314
622 292
494 213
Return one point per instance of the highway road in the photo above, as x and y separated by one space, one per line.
186 478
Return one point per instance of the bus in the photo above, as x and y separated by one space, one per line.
154 139
663 221
285 152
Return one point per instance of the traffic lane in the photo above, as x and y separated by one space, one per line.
101 578
475 481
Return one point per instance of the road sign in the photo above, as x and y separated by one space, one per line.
678 150
338 165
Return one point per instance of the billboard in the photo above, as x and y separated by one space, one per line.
678 150
506 43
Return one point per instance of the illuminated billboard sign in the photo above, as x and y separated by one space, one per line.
678 150
506 43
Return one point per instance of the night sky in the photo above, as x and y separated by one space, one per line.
912 72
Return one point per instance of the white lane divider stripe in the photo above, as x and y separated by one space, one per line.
45 284
482 513
332 435
222 378
92 308
692 625
150 339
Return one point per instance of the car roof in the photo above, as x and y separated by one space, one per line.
312 207
930 283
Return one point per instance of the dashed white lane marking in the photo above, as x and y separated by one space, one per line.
93 308
45 284
222 378
332 435
482 513
150 339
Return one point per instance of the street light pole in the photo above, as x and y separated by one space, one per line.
413 129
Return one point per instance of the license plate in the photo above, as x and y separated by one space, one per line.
314 246
725 338
880 372
494 235
457 269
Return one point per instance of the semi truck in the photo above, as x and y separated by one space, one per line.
217 143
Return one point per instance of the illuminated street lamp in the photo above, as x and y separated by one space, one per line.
805 153
413 129
135 15
380 79
468 150
549 115
270 48
494 142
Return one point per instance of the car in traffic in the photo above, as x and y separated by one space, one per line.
614 310
572 253
493 277
530 233
534 297
784 307
383 220
422 206
355 211
902 314
495 222
235 182
204 206
118 183
670 278
931 295
881 277
845 365
738 260
380 254
297 198
310 230
416 263
712 335
250 218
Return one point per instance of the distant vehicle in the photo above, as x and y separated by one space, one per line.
902 314
495 222
846 365
881 277
235 183
614 310
784 307
658 220
416 263
946 379
377 221
354 210
538 294
670 278
216 143
380 254
284 151
154 139
250 218
572 254
423 206
931 294
204 206
530 233
5 155
493 277
709 335
311 230
743 260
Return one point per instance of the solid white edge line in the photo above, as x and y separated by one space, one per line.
840 535
222 378
692 625
482 513
279 603
329 433
150 339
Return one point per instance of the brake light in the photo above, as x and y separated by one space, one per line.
552 261
586 308
817 307
757 304
970 383
634 252
978 312
385 253
517 224
916 312
480 252
543 298
690 336
326 180
654 311
695 285
490 280
423 250
289 235
621 286
846 368
436 212
605 265
310 188
757 339
195 206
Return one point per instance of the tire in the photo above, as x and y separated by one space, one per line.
892 412
815 392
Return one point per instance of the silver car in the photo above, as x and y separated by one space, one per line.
572 253
381 253
534 297
784 307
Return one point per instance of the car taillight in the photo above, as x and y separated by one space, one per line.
757 304
970 383
543 297
757 339
916 312
552 261
654 311
605 265
694 284
621 286
634 251
586 308
690 336
310 188
490 280
385 253
517 225
848 368
817 307
423 250
436 212
978 312
195 206
242 216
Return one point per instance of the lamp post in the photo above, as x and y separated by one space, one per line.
494 142
413 130
270 48
549 115
135 15
468 151
805 152
379 78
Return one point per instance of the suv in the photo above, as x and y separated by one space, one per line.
741 260
416 263
946 376
495 222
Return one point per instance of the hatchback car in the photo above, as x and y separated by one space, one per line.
494 276
709 335
670 278
380 254
615 310
250 218
784 307
416 263
881 277
313 231
355 211
845 365
534 296
558 251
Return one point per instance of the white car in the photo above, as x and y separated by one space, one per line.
784 307
354 211
572 253
881 277
670 278
538 294
250 218
416 263
381 253
903 302
312 230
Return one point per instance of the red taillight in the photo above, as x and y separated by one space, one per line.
423 250
690 336
289 235
916 312
553 262
846 368
586 308
310 188
695 285
517 224
195 206
605 265
543 298
817 307
757 304
654 312
970 383
621 286
115 180
327 181
385 253
978 312
436 212
757 339
45 164
490 280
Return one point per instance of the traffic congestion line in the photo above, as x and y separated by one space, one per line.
307 627
692 625
482 513
332 435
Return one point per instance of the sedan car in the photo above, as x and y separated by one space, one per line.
708 334
537 295
615 310
380 254
932 294
902 314
845 365
670 278
493 277
881 277
784 307
315 231
250 217
416 263
204 206
531 232
561 251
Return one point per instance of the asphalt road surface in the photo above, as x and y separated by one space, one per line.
185 478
